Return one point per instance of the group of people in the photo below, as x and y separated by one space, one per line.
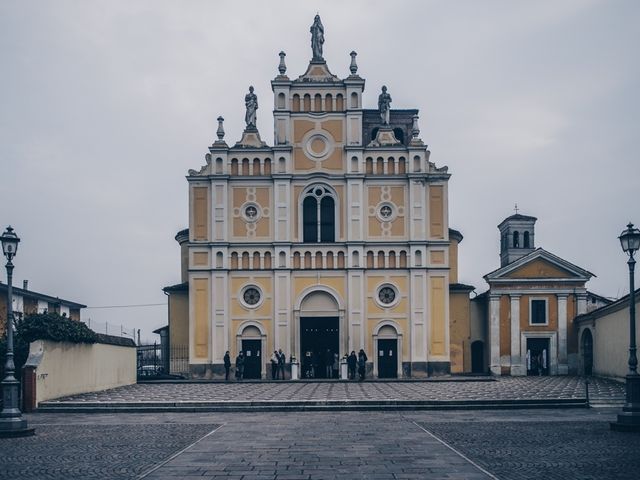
315 364
278 359
309 365
358 362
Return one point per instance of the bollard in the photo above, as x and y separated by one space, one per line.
586 388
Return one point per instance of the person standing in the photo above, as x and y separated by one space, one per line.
362 364
282 359
240 366
336 365
275 358
328 364
227 365
352 362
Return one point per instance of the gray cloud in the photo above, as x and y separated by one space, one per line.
105 105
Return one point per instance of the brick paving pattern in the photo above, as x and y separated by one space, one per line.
64 451
555 450
508 445
505 388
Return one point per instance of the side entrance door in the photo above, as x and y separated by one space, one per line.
387 358
252 358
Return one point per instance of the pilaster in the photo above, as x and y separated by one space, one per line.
517 367
494 334
563 367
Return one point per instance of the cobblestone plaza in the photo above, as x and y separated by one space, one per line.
523 444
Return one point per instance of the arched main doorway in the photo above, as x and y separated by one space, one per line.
319 335
587 352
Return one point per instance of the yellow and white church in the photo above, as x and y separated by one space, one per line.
334 239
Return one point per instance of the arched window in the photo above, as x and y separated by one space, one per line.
245 166
267 261
256 261
319 263
391 166
341 260
281 100
339 103
403 259
354 100
267 166
330 260
317 103
245 260
401 165
306 100
234 261
318 215
525 240
296 259
516 239
282 262
392 259
234 166
328 103
256 167
369 259
381 259
296 103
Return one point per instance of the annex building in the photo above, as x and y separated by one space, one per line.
334 238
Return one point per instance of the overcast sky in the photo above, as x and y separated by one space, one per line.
104 106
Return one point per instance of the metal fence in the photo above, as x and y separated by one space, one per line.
153 360
110 329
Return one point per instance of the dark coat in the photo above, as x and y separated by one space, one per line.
227 360
352 360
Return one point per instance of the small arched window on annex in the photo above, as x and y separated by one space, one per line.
354 100
245 166
295 104
256 261
339 103
219 166
234 166
306 103
282 101
328 102
368 166
402 165
403 259
319 212
267 261
245 260
296 260
256 167
317 103
380 166
525 240
267 166
516 239
234 260
381 262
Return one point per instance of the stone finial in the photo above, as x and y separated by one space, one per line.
415 130
282 67
354 66
220 131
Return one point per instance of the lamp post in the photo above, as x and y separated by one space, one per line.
11 422
629 419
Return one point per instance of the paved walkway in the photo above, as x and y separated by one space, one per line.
469 445
529 389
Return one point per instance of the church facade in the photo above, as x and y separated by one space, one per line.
334 239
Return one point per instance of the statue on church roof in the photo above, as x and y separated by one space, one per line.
384 105
317 39
251 103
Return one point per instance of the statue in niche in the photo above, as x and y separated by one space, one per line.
317 38
251 104
384 105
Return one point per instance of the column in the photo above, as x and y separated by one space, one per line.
563 366
516 357
494 334
582 303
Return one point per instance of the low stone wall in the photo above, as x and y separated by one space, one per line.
57 369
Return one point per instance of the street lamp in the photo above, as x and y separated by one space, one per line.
629 419
11 422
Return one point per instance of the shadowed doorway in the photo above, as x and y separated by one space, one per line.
319 342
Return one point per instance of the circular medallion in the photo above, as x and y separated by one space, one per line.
317 146
251 212
387 295
251 296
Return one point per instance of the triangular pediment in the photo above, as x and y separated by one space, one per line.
317 72
539 265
